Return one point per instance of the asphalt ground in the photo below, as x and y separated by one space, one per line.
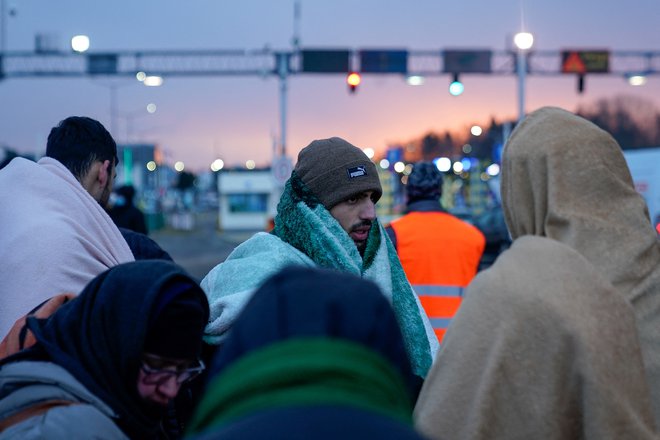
201 248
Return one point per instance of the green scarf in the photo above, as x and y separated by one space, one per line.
304 223
304 372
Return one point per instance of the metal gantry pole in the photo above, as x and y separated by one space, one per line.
521 71
283 72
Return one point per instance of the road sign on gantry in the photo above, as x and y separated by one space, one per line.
325 60
585 61
383 61
467 61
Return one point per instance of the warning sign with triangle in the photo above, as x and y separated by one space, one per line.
572 63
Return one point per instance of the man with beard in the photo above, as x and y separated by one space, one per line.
56 236
326 218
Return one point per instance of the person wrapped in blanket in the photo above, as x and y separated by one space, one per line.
326 217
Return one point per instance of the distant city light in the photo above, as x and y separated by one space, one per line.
217 165
443 164
415 80
384 164
476 130
249 164
458 167
523 40
151 165
80 43
399 167
153 81
141 76
467 163
637 80
493 170
179 166
467 148
408 169
369 152
151 108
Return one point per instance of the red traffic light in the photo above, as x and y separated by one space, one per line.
353 80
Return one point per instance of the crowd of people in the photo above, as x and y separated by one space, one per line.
334 325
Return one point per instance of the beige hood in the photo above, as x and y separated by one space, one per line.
566 179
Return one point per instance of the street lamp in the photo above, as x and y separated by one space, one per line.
80 43
523 41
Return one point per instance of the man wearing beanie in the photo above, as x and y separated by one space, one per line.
439 252
326 218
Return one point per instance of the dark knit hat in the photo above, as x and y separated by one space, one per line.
335 170
178 322
424 183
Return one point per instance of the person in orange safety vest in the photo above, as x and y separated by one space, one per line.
439 253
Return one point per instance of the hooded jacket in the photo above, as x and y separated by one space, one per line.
566 179
98 338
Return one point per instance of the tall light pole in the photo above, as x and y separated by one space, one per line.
524 42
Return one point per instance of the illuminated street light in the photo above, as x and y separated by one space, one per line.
369 152
415 80
179 166
151 165
476 130
217 165
523 41
493 170
384 164
443 164
141 76
153 81
249 164
151 108
637 80
80 43
399 167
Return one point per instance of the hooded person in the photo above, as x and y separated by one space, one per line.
544 346
566 179
308 358
325 218
107 363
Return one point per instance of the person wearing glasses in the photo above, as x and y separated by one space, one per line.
109 363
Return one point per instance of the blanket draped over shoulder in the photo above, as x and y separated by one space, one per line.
542 347
307 234
55 237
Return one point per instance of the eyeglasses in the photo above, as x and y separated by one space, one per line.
158 376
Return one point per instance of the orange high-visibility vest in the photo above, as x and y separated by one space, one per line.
440 255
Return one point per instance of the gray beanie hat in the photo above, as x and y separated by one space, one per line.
334 170
424 183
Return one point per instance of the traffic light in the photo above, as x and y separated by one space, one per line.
456 87
353 80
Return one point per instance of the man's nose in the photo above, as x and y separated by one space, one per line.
368 211
170 387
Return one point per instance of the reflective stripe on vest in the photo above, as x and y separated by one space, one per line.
440 304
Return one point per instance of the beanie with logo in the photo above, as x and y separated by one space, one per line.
335 170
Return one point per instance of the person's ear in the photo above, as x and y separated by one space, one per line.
104 173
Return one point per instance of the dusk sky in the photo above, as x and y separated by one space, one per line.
236 118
